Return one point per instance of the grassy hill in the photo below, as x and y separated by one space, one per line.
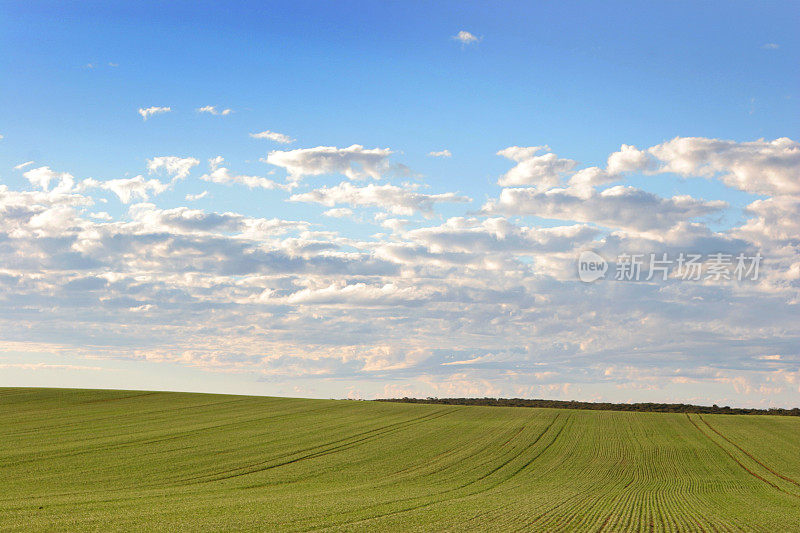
122 460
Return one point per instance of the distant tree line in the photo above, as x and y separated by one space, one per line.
601 406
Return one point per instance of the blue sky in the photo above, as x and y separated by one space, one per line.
583 79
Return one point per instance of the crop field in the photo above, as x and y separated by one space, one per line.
133 460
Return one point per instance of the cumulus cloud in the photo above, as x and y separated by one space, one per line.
339 212
42 176
761 167
465 37
273 136
617 207
442 153
773 219
471 235
147 112
628 159
541 171
125 188
183 220
128 189
223 175
394 199
212 110
355 162
482 303
178 167
586 179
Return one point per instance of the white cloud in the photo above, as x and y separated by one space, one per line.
42 176
273 136
147 112
465 37
586 179
394 224
178 167
617 207
397 200
472 235
339 212
541 171
770 46
192 197
774 219
358 294
212 110
23 165
761 167
125 188
182 221
442 153
128 189
222 175
355 161
628 159
229 292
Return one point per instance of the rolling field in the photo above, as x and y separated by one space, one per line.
132 460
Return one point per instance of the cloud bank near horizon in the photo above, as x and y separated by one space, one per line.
407 300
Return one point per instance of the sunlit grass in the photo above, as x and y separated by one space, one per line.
106 460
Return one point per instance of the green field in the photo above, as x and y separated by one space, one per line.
132 460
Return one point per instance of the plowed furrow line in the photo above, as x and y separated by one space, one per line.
483 490
326 449
740 463
748 454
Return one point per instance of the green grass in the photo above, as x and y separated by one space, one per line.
131 460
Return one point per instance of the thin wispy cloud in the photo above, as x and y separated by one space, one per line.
94 65
222 175
23 165
147 112
46 366
192 197
177 167
212 110
441 153
770 46
273 136
338 212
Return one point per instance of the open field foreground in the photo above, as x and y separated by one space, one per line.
131 460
